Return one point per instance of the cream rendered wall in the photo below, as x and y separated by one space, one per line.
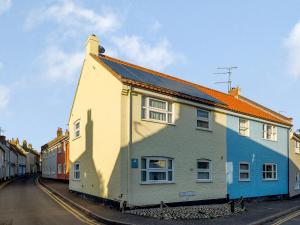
97 104
185 144
294 168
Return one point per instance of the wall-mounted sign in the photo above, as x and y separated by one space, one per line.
134 163
187 193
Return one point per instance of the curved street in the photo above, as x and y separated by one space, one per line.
24 202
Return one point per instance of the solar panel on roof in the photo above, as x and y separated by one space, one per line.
149 78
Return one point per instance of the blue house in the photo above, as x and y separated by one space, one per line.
257 147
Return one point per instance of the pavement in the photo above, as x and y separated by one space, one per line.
22 202
258 212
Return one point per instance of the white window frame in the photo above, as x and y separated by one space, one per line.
76 172
146 108
76 129
297 147
209 171
273 132
246 129
204 119
244 171
64 170
165 170
297 181
58 168
273 172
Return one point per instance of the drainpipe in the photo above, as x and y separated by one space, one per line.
129 139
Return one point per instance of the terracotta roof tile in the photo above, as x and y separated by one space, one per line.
238 105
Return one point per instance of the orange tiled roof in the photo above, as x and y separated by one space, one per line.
238 105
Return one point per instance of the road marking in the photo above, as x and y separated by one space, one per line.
4 184
291 216
67 207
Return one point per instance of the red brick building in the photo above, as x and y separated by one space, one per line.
55 157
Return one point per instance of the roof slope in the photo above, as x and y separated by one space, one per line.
143 77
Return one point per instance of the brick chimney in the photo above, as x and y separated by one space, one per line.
67 132
92 45
235 91
2 139
59 132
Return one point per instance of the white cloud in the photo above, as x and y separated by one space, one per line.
74 18
155 27
4 5
292 43
4 96
61 65
157 56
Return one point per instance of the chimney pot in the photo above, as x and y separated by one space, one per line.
235 91
92 45
59 132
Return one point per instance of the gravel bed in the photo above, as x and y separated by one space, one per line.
188 212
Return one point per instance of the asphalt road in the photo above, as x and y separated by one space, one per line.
290 219
23 202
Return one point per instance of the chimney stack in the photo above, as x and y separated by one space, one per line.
24 144
30 146
59 132
2 139
92 45
235 92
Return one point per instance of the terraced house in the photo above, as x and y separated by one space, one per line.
139 136
294 164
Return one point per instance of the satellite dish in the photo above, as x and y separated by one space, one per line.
101 49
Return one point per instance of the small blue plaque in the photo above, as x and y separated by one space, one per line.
134 163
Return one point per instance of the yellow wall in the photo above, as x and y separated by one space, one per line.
294 167
98 106
185 144
102 148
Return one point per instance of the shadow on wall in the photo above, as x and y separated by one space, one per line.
91 179
179 140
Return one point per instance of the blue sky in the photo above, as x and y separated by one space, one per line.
42 46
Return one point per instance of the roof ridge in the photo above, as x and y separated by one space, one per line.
235 104
159 73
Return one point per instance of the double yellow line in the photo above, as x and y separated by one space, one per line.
285 219
68 208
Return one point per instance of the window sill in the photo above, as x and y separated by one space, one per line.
157 121
75 179
204 181
203 129
270 179
154 183
269 140
244 180
244 135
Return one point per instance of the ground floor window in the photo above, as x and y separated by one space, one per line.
157 170
244 171
76 171
297 181
270 171
64 168
204 170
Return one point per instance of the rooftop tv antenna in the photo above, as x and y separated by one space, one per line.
228 71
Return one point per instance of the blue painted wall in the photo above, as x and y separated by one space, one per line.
256 151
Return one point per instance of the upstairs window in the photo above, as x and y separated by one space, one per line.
59 169
270 132
76 171
204 170
157 110
270 171
157 170
77 129
297 147
244 127
203 119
